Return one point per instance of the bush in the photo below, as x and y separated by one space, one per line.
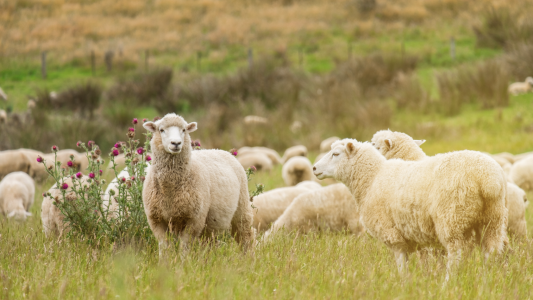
84 98
501 28
411 95
519 60
142 88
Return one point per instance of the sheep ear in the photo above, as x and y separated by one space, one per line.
11 214
191 127
388 142
419 142
150 126
28 214
350 149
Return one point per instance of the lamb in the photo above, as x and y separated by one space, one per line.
330 208
522 173
13 161
438 201
51 216
17 193
518 88
3 116
270 205
403 147
296 169
310 185
257 159
272 154
325 145
294 151
192 193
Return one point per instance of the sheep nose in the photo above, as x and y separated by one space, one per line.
314 168
176 143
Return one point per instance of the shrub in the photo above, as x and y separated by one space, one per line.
142 88
501 28
84 98
519 60
411 95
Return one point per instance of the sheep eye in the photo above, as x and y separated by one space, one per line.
161 130
335 154
183 130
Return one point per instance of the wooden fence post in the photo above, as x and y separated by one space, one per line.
250 57
109 60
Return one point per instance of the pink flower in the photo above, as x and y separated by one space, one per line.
253 168
134 121
70 164
142 178
44 194
144 120
132 177
90 144
39 159
197 144
118 145
131 129
115 152
234 153
78 144
64 186
148 158
123 179
91 175
79 175
54 148
140 150
100 171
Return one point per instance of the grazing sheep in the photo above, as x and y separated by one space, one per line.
272 154
191 193
31 104
297 169
310 185
402 141
51 216
17 193
518 88
257 159
270 205
3 94
522 173
253 120
500 160
3 116
325 145
294 151
37 170
254 130
521 156
506 155
438 201
13 161
330 208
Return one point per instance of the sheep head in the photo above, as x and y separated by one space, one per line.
19 215
386 140
341 152
170 133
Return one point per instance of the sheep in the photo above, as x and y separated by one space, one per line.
296 169
402 148
310 185
253 120
51 216
257 159
330 208
522 173
325 145
38 171
518 88
272 154
505 155
31 104
521 156
270 205
17 193
500 160
13 161
319 156
190 193
299 150
254 130
3 95
120 161
3 116
296 126
440 200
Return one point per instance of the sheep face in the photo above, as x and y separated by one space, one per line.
385 140
19 215
169 132
340 152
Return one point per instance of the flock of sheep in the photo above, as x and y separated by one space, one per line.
389 188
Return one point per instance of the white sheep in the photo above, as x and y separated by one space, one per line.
51 216
297 169
253 120
3 116
17 193
31 104
257 159
507 156
518 88
291 152
325 145
271 153
254 130
310 185
13 161
120 161
521 156
522 173
189 193
3 95
404 147
330 208
438 201
270 205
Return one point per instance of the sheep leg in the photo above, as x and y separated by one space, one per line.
241 225
160 232
401 260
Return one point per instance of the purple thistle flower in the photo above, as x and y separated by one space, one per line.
123 179
118 145
78 144
144 120
70 164
253 168
140 150
100 171
64 186
78 175
197 144
134 121
44 194
90 144
39 159
234 153
148 158
131 129
115 152
54 148
132 177
91 175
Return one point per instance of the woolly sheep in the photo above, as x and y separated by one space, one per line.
291 152
252 120
17 193
3 94
402 148
522 173
190 193
521 156
440 200
13 161
37 170
518 88
505 155
270 205
3 116
330 208
31 104
272 154
257 159
120 161
325 145
318 157
254 130
310 185
51 216
296 169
